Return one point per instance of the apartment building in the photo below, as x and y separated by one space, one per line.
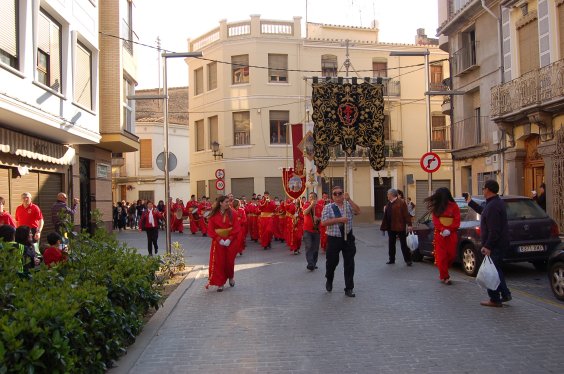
141 173
62 111
507 59
256 78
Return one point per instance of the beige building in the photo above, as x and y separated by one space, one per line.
265 82
139 174
508 62
59 122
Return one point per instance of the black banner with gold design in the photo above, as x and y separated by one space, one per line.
348 115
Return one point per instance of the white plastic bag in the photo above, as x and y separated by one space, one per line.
412 241
488 277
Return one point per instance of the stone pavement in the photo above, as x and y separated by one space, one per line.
279 319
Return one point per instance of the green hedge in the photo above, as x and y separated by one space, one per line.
79 316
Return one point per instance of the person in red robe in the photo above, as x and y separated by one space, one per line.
294 226
282 221
177 210
5 217
275 222
266 208
242 218
446 219
223 230
322 229
205 209
252 217
193 211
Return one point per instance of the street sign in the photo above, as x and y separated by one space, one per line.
219 184
220 173
171 161
430 162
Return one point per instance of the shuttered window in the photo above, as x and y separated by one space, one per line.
213 130
9 32
277 68
241 128
529 47
199 81
49 52
329 66
439 140
242 187
214 193
274 187
199 135
212 76
387 129
561 28
379 69
240 69
83 76
146 153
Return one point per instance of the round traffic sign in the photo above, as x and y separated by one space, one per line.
219 184
220 173
171 161
430 162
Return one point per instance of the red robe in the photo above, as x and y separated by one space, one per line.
203 207
242 218
322 229
445 247
282 220
177 224
194 217
294 227
252 212
265 222
222 258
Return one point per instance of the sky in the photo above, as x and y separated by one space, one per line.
175 21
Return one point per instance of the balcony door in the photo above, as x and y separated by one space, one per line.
534 166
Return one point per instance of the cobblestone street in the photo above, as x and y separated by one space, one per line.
279 318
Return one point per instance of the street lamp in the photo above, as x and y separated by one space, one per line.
215 150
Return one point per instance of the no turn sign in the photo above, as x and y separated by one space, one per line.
220 173
430 162
219 184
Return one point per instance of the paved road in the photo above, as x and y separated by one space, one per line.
279 318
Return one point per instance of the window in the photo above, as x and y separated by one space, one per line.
277 68
528 47
145 153
213 129
241 128
278 121
9 33
126 12
327 184
240 69
83 76
561 29
379 68
198 81
48 64
329 66
387 129
128 105
199 135
483 177
212 76
438 133
436 77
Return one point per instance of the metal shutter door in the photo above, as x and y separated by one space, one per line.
421 195
49 186
201 189
242 186
5 189
214 193
27 183
274 186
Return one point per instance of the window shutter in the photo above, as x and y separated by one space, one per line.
529 47
8 31
82 80
146 153
561 27
214 136
277 65
212 76
199 135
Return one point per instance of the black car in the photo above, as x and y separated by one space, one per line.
556 272
533 234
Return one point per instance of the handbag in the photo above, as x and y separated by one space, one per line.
412 241
488 277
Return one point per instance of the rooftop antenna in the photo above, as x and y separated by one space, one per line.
159 60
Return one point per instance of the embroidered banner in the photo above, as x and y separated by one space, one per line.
348 115
294 179
297 137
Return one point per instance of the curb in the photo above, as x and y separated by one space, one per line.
150 330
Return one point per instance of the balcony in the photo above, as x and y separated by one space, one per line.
469 132
541 89
118 161
392 148
464 60
391 87
242 138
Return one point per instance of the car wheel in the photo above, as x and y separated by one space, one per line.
416 256
470 260
556 278
540 265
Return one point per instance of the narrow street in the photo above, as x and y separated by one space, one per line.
279 318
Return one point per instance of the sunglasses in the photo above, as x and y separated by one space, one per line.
337 193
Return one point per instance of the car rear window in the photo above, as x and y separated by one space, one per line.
523 209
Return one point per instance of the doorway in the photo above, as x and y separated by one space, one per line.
534 166
85 203
380 195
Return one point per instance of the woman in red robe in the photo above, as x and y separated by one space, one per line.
223 229
294 226
446 219
242 218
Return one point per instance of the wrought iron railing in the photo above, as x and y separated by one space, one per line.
392 87
464 58
533 88
392 148
471 131
242 138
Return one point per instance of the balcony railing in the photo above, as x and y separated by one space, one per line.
533 88
464 59
471 131
392 87
392 148
242 138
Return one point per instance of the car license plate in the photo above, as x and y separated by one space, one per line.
531 248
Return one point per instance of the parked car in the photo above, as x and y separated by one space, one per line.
533 234
556 271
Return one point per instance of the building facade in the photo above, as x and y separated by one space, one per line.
507 59
244 105
139 173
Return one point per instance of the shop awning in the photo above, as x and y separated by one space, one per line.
37 149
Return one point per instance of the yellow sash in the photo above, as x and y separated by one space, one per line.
446 221
223 233
266 214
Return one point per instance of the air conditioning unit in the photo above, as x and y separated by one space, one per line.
495 137
495 161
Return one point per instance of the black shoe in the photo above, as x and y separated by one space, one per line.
349 293
506 299
205 235
156 250
329 286
409 263
310 268
264 248
390 262
315 267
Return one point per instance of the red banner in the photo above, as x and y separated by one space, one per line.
297 136
294 179
294 185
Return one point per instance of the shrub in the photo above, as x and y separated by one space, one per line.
78 316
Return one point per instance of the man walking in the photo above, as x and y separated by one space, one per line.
338 218
396 218
312 219
60 211
494 236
